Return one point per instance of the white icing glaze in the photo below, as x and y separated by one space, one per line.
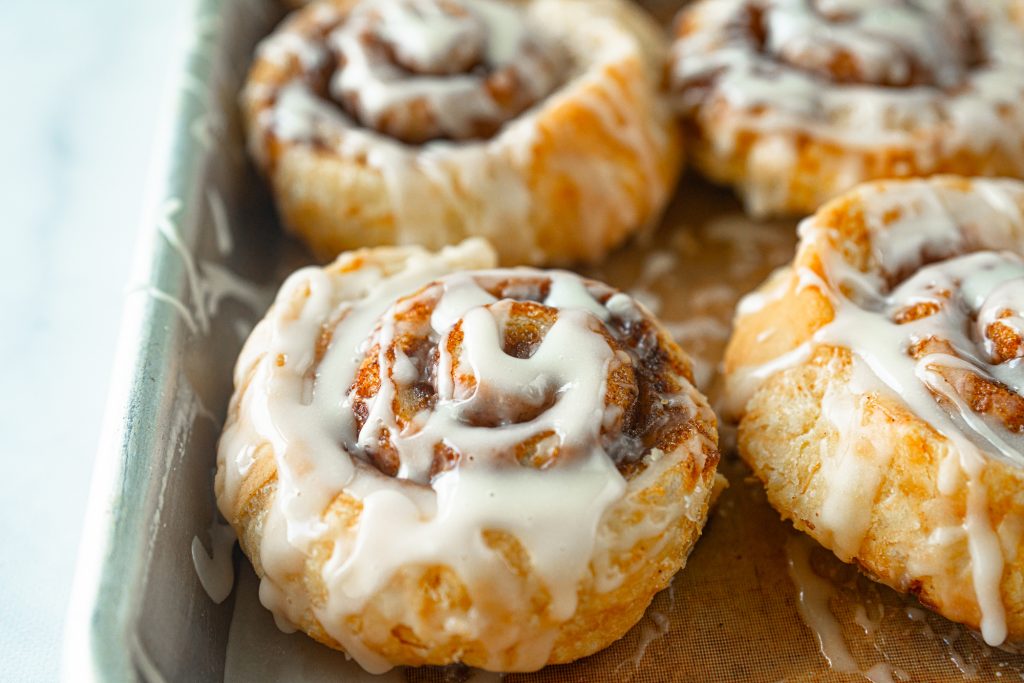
655 625
966 667
421 518
446 186
814 593
884 39
743 382
395 52
221 225
208 283
965 291
255 646
854 472
282 46
258 651
915 86
172 301
216 570
866 622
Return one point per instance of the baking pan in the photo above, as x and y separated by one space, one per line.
204 271
210 257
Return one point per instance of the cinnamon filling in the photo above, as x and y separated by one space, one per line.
641 382
984 395
889 43
425 70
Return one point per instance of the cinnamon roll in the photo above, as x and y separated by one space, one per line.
538 124
795 101
431 463
879 386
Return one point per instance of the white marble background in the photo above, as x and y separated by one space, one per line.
81 88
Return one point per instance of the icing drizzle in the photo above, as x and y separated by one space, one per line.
900 86
818 65
421 70
481 403
931 319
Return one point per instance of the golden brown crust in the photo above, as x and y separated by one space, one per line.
408 620
893 461
565 181
435 594
793 122
784 431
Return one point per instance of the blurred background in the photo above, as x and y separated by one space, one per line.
82 89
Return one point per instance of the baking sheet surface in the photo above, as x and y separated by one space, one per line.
732 615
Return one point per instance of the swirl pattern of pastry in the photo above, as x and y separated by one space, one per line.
796 101
881 395
420 70
429 464
538 124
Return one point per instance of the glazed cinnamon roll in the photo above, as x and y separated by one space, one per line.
795 101
880 393
538 124
431 463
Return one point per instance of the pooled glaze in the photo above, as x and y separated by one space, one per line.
216 570
327 431
814 594
920 314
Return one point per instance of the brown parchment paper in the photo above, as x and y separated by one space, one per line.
732 613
